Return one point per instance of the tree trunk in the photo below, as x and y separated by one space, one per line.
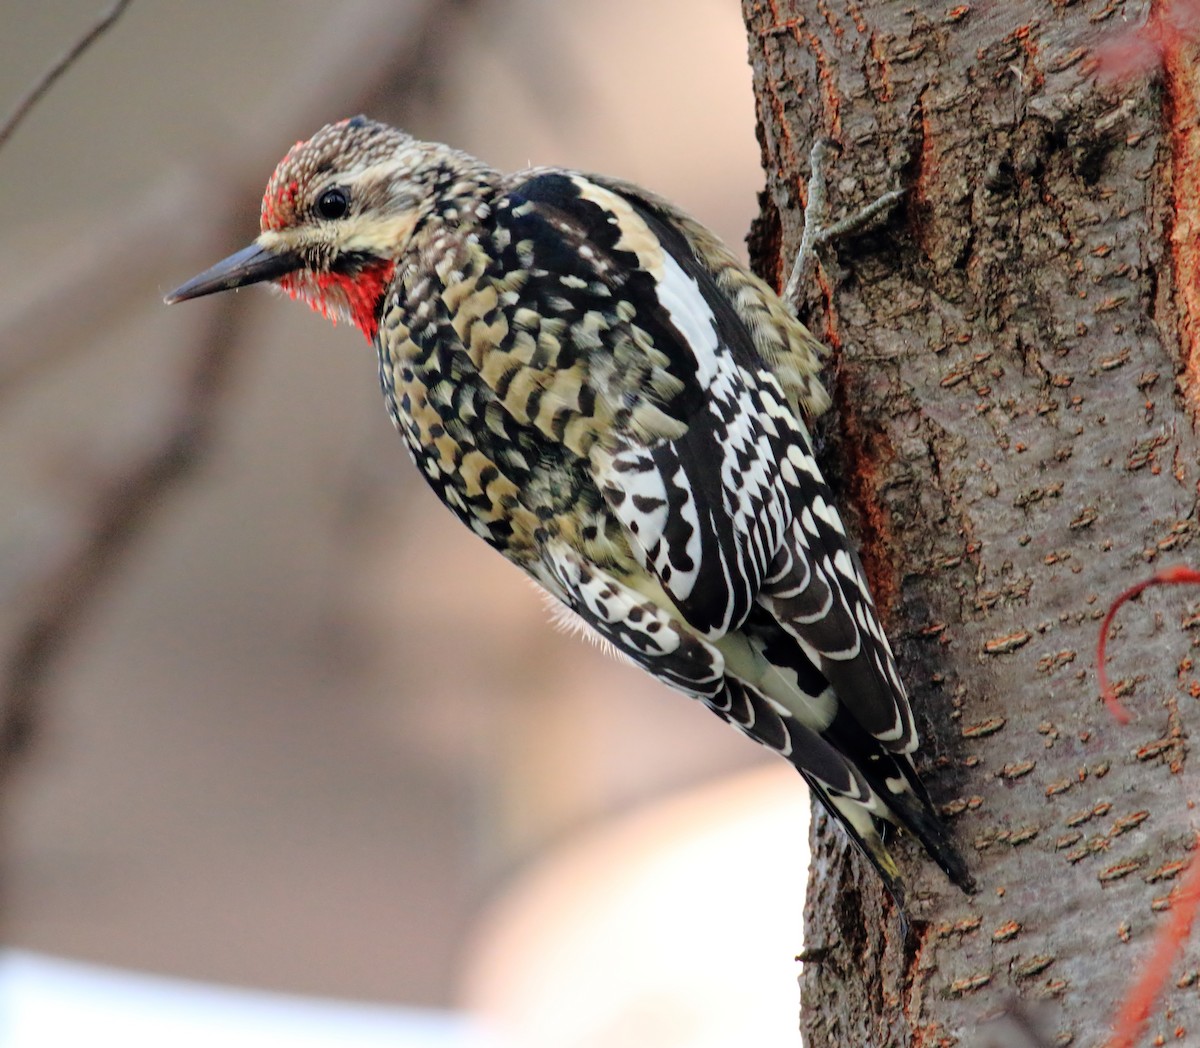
1014 379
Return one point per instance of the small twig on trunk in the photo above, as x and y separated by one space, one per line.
48 79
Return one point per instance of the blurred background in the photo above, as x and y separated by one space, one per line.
270 718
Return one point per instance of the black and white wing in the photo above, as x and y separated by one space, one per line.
701 454
733 509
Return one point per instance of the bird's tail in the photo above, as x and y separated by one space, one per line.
866 837
894 782
914 811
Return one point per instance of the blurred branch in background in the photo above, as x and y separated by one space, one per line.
25 106
119 511
369 47
290 729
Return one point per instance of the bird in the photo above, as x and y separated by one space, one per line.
604 393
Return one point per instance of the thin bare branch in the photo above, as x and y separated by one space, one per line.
35 94
107 269
371 46
120 511
376 43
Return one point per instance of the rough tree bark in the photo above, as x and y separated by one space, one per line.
1015 381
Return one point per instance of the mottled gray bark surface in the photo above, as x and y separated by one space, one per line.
1014 427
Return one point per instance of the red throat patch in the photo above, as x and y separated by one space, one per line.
339 295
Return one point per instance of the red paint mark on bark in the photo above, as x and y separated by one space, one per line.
1185 898
827 82
1168 42
1182 111
1135 1009
1134 51
1025 36
830 18
879 54
831 335
927 168
790 160
1169 577
855 12
867 451
924 1036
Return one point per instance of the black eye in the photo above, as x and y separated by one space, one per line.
333 203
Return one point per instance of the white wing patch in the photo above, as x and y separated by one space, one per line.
712 505
681 297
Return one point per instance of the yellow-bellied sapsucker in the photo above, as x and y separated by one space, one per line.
601 391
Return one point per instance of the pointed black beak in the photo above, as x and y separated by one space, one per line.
248 266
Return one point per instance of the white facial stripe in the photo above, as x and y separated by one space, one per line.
383 236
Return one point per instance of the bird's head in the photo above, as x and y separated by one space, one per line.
337 215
